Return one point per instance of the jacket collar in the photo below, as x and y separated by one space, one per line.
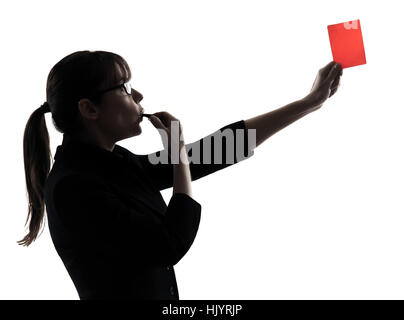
85 155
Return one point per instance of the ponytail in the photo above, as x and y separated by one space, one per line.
37 161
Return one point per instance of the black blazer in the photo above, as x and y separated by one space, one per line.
110 224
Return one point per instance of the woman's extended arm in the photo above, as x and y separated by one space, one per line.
271 122
325 85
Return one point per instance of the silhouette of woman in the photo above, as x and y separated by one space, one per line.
108 221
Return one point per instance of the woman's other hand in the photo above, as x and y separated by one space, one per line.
163 121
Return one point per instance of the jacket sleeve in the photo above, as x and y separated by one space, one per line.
98 217
202 162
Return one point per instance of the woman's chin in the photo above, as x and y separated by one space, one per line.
138 128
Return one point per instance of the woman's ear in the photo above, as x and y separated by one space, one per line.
88 109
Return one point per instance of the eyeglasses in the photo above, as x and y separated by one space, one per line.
126 86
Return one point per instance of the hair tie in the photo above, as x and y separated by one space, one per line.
45 107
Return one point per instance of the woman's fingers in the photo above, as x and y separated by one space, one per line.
165 117
333 91
326 69
335 84
333 73
156 122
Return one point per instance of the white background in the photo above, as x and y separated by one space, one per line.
316 213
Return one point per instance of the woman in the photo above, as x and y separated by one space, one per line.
108 221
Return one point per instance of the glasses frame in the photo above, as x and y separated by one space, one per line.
127 86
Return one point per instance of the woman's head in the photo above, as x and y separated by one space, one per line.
78 108
81 105
115 114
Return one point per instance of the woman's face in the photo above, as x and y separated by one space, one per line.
120 113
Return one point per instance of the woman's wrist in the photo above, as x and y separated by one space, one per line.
310 103
183 161
182 178
178 153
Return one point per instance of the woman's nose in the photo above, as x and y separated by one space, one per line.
137 96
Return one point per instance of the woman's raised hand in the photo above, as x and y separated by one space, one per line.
325 84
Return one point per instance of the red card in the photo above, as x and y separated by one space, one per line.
347 43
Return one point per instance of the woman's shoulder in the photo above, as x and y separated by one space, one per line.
69 178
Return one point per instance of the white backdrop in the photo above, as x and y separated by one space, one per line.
319 211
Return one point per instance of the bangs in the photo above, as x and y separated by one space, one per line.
109 69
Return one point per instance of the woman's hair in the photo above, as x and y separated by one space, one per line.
79 75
